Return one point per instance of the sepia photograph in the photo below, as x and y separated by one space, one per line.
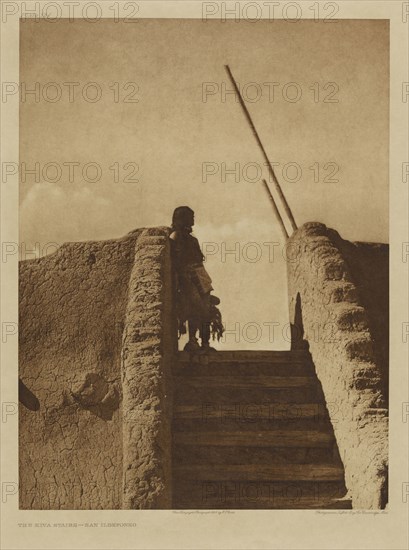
203 269
275 394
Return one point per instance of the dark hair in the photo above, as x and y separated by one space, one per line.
181 216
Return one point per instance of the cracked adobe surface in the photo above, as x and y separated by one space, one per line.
72 306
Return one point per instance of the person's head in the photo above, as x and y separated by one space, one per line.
183 218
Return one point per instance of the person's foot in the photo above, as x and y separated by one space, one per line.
207 347
192 345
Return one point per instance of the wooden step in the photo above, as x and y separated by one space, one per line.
185 394
260 472
244 426
245 356
246 382
251 431
262 411
243 369
190 455
260 494
302 503
279 503
270 438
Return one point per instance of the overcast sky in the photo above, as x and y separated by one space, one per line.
318 94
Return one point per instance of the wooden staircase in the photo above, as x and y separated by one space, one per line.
251 431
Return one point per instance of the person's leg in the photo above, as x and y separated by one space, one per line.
205 323
191 299
193 328
193 344
205 333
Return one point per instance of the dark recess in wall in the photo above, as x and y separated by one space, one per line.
369 267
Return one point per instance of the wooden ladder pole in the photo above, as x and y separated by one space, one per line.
255 133
285 204
277 213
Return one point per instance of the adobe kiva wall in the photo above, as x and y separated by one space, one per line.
338 297
148 347
94 352
96 337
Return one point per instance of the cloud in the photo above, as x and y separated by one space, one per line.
72 212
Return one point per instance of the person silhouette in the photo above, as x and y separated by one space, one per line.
193 285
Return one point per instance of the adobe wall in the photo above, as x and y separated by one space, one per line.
148 346
337 307
368 264
80 309
96 338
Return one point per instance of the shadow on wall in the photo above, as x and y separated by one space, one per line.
96 395
27 398
369 267
368 264
297 328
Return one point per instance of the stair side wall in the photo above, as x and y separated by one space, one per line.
368 264
95 345
146 376
327 312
